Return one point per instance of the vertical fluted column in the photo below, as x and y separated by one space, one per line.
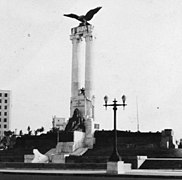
76 65
89 84
89 72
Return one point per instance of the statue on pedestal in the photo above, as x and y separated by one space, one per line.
76 123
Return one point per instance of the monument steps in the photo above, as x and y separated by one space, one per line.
86 159
79 152
135 161
21 165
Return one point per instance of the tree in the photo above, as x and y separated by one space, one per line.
8 133
28 129
8 140
39 130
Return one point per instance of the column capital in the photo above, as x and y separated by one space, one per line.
76 37
89 36
81 30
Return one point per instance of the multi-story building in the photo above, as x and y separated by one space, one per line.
4 111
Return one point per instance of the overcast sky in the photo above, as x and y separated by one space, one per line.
138 53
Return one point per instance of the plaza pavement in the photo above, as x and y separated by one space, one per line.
51 174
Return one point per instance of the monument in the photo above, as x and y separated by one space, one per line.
78 135
82 98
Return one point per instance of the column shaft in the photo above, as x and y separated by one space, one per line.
89 67
76 65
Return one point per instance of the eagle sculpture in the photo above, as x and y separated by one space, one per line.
84 18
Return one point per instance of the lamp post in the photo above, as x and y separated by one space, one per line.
115 157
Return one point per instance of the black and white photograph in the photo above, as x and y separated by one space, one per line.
90 89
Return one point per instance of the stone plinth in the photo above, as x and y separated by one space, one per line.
58 158
79 103
71 136
76 140
118 167
140 160
28 158
89 134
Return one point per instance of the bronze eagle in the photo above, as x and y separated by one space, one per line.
84 18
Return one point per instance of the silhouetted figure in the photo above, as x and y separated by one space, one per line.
76 123
84 18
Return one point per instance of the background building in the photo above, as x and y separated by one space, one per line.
4 111
58 122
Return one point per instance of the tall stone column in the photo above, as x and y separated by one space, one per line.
89 86
89 72
76 64
85 100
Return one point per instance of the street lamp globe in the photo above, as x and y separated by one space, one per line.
123 99
106 99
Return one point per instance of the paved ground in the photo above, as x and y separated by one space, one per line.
34 171
132 172
156 172
29 174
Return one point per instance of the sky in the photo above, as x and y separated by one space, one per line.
138 52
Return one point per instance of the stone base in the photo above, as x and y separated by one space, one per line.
89 142
117 167
71 146
64 147
28 158
140 160
68 147
58 158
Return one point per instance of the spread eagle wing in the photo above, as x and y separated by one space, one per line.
91 13
72 16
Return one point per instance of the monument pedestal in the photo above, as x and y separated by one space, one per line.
58 158
75 141
69 143
118 167
89 134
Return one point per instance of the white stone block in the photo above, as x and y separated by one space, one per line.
117 167
78 136
127 167
89 127
140 160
